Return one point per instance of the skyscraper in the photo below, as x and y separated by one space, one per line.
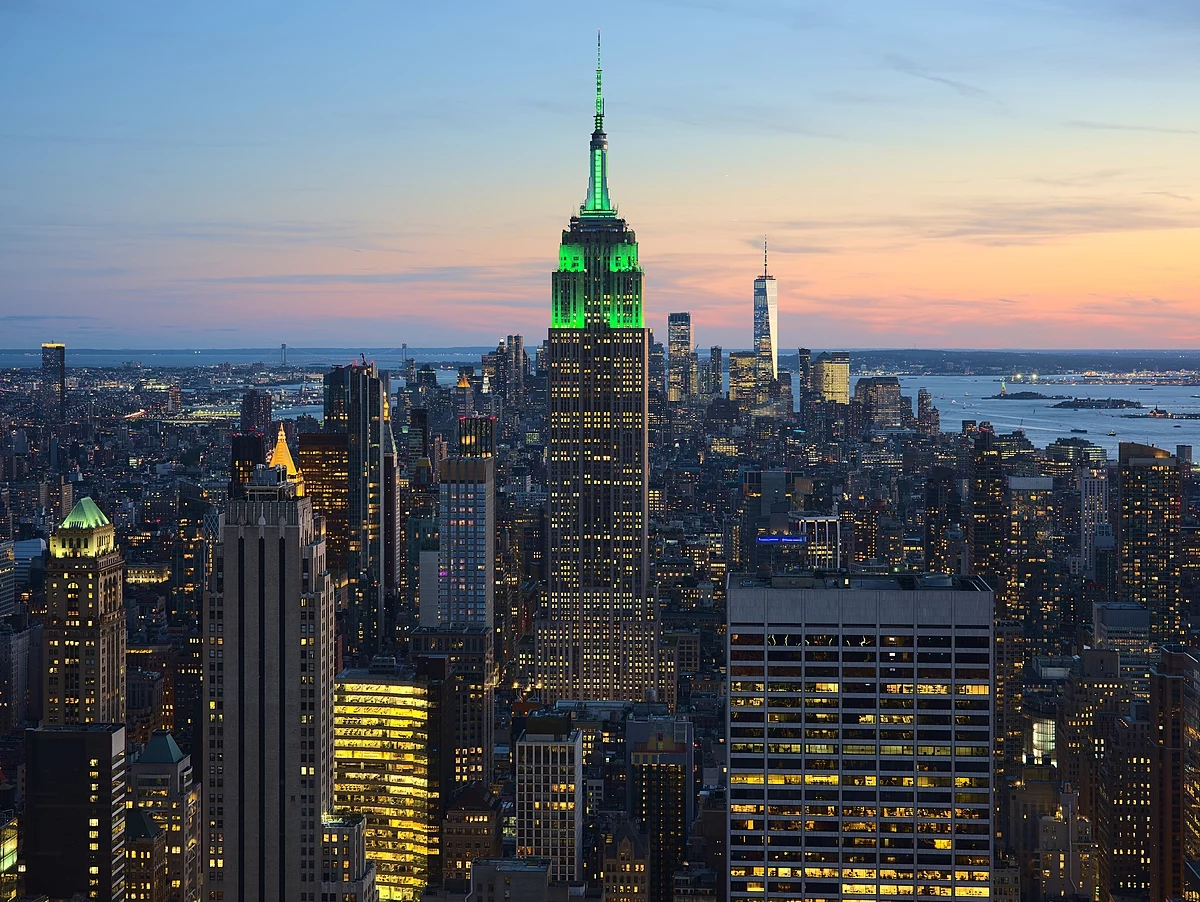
356 404
662 793
827 788
831 376
325 463
391 736
467 533
74 822
549 796
256 412
1150 501
804 365
743 388
716 371
84 678
679 349
161 785
270 696
54 382
599 638
766 328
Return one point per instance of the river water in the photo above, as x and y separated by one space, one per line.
961 398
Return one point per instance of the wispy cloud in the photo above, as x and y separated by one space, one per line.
1124 127
908 67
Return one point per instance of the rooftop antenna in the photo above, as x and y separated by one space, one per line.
764 256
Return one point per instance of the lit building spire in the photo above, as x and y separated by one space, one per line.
598 203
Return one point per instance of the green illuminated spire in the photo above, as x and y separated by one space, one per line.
598 203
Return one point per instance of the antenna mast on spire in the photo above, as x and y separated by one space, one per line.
599 91
764 256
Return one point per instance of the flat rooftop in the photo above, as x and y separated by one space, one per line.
875 582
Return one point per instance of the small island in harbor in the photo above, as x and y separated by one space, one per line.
1026 396
1098 404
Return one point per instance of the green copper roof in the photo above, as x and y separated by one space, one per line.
85 515
161 749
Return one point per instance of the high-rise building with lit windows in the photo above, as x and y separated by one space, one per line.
766 329
599 636
84 633
1149 531
390 738
162 787
679 361
860 737
54 382
549 796
268 688
356 405
831 376
74 822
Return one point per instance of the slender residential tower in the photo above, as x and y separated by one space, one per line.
598 640
766 329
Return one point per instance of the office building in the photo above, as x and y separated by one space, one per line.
831 376
54 382
943 513
662 793
1125 628
246 452
325 463
467 534
1093 513
851 736
626 870
550 809
347 875
477 436
679 349
471 831
162 787
988 524
743 389
14 675
527 879
883 407
1150 512
804 370
256 413
598 638
8 577
716 372
356 405
391 736
766 329
471 658
74 824
84 634
145 859
269 694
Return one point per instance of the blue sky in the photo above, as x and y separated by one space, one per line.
967 173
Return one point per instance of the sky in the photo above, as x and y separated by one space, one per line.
928 173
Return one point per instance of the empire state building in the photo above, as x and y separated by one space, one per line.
598 640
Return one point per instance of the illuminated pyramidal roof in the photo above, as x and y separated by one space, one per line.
281 455
85 515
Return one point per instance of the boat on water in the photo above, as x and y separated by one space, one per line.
1112 432
1080 431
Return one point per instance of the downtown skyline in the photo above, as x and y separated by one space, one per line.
941 178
